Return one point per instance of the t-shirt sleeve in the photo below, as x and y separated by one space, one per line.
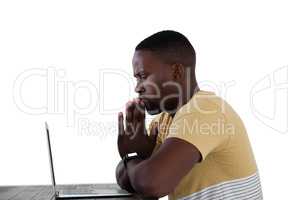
207 132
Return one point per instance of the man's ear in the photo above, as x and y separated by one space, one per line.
177 71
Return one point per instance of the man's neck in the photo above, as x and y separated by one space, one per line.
186 96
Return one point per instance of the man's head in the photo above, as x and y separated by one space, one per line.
163 64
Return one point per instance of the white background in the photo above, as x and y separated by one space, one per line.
243 44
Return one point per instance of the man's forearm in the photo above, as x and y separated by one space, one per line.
139 176
127 178
122 177
126 175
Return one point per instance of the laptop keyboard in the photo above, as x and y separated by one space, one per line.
88 189
78 191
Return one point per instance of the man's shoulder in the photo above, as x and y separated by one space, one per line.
202 104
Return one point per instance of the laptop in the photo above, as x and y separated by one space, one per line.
82 191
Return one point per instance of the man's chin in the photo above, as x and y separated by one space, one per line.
151 107
152 111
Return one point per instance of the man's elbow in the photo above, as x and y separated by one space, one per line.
146 184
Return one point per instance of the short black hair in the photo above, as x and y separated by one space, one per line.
171 46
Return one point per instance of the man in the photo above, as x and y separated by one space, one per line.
197 147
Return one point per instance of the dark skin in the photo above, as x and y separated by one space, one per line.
157 174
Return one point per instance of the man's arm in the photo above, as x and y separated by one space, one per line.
133 140
158 175
154 175
122 177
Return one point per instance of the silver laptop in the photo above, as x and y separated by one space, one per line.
82 191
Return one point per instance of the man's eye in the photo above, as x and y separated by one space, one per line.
141 77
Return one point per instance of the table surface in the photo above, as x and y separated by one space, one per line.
45 192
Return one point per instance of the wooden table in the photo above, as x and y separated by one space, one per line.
45 192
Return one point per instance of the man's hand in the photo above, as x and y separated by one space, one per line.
134 137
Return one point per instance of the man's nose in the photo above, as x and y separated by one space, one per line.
139 88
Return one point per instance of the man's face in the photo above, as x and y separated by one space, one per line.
155 84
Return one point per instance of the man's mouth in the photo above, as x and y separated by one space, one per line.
144 100
141 99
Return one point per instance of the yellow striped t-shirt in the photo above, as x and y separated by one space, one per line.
228 169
